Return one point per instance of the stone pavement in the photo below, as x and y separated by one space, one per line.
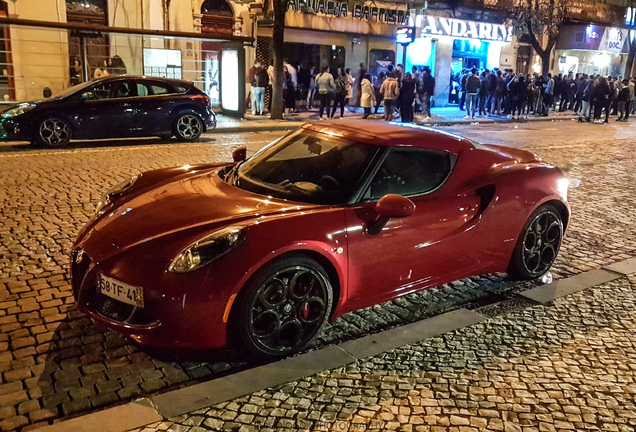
53 361
566 366
439 117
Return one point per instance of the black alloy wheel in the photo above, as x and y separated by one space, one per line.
539 243
188 127
282 309
53 132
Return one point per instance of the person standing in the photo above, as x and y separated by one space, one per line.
340 93
428 90
288 91
270 86
630 102
350 86
472 89
367 98
623 98
483 93
253 76
311 90
376 87
462 99
326 86
390 92
548 95
103 72
258 90
601 100
358 81
406 98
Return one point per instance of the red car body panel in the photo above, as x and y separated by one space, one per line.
467 226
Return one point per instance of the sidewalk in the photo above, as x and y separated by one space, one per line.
439 117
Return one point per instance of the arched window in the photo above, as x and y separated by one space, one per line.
217 17
216 7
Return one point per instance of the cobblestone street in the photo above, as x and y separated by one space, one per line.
568 366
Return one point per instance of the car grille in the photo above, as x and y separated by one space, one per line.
78 270
116 310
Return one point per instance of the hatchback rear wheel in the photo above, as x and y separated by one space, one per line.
188 127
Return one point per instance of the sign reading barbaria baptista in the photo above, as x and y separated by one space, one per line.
342 9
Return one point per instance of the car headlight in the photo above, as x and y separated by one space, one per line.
116 191
209 248
19 110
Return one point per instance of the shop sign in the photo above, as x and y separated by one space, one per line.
457 28
342 9
613 40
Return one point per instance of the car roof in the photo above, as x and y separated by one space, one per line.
146 78
392 134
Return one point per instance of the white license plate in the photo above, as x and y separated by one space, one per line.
125 293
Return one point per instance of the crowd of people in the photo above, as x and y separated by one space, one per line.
480 93
483 93
331 89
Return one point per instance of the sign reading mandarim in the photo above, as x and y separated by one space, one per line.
440 26
343 9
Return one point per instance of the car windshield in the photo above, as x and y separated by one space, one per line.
73 89
307 167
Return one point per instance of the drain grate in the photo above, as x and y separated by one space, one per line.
503 307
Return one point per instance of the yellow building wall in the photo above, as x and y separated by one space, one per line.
40 56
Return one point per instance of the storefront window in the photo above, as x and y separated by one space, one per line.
379 61
305 55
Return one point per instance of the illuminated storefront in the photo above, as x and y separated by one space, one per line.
592 49
449 45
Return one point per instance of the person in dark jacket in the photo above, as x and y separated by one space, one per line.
601 94
406 98
428 90
623 102
472 89
492 88
483 93
462 99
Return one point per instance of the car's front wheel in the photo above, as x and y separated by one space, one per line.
538 245
188 127
53 132
283 307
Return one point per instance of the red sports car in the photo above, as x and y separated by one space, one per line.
328 219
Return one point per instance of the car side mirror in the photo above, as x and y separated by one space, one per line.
390 206
240 154
88 96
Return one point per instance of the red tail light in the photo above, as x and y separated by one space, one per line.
201 97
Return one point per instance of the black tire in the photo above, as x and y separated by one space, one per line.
272 318
188 126
53 132
538 244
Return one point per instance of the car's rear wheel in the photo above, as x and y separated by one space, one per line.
283 307
538 245
188 127
53 132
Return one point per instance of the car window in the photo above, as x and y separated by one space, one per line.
153 89
180 89
308 167
409 172
102 91
122 90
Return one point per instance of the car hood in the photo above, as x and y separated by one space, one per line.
162 221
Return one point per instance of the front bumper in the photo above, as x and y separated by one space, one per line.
10 130
179 312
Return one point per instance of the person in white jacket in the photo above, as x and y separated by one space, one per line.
367 98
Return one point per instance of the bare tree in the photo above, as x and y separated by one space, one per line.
278 40
539 18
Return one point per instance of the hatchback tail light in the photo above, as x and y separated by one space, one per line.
201 97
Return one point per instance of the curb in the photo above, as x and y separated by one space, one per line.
146 411
431 123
